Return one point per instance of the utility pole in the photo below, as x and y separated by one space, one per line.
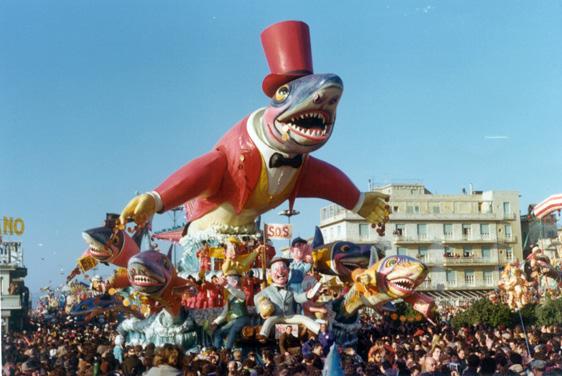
174 219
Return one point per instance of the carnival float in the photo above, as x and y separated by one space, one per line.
220 293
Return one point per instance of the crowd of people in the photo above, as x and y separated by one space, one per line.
61 346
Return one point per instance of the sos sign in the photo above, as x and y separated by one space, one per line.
275 231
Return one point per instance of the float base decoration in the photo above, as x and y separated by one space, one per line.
191 262
161 328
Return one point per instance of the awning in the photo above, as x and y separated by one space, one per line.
457 294
172 236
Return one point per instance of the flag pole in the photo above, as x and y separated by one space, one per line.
263 260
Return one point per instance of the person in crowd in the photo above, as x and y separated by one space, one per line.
168 361
289 344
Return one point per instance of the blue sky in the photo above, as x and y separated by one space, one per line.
100 99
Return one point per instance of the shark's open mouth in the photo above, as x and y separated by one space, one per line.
100 254
312 125
404 285
354 262
144 280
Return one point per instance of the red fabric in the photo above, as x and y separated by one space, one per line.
231 171
200 176
214 295
320 179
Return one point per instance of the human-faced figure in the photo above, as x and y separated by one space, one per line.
280 273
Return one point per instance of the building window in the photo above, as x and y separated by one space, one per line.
488 278
507 208
467 252
451 278
338 231
465 231
435 209
402 251
395 209
399 229
412 209
447 252
486 253
485 230
448 230
469 277
507 229
422 231
363 230
423 253
509 254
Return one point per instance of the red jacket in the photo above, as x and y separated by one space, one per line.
230 172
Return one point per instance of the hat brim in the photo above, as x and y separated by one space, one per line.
277 259
273 81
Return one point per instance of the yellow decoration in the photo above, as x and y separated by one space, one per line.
241 264
111 291
126 302
145 310
86 263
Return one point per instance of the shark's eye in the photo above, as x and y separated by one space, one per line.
166 264
390 262
282 93
345 248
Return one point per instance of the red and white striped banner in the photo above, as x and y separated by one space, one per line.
547 206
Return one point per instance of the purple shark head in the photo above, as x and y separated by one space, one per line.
302 114
150 272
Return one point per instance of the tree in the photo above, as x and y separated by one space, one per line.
484 311
549 312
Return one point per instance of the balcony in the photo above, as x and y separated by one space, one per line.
507 239
466 239
462 261
416 239
453 285
10 302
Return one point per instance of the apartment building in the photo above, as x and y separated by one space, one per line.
464 239
14 295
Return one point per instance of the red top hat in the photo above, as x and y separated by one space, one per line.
287 49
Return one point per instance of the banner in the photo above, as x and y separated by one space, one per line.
278 231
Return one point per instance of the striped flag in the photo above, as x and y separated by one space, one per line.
547 206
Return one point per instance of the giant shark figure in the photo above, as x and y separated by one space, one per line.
265 158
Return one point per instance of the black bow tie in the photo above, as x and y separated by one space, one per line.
278 160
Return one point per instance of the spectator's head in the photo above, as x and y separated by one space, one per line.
237 355
170 355
537 367
430 364
473 361
515 358
487 366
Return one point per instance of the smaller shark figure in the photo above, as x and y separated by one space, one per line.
111 246
391 278
152 274
341 258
